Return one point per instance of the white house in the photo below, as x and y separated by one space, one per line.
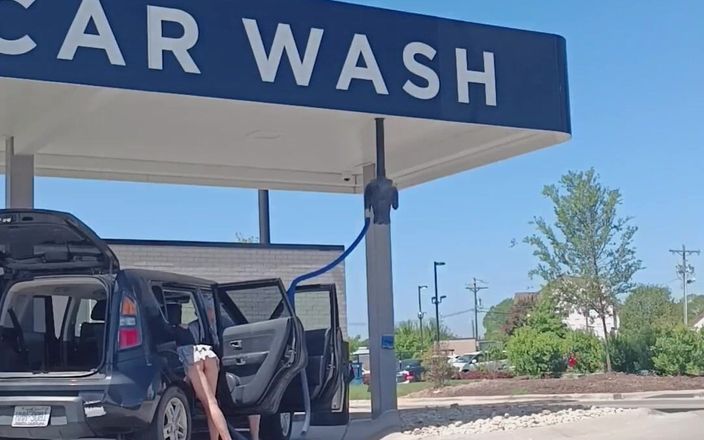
592 323
699 323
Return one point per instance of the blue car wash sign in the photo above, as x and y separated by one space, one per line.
314 53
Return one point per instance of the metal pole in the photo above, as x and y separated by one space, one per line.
684 283
684 268
380 149
437 306
420 315
436 301
264 225
475 290
476 312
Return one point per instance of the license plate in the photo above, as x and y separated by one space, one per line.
31 416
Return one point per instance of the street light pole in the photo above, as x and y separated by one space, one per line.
436 301
420 312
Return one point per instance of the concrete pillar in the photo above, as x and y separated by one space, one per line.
19 177
380 304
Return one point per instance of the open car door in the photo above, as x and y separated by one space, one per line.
262 346
328 358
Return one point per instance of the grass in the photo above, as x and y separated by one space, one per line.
361 392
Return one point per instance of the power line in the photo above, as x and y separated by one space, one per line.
685 269
475 289
461 312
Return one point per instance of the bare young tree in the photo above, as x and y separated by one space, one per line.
587 255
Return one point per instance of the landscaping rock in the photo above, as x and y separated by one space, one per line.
438 422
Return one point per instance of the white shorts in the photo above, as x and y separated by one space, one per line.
192 354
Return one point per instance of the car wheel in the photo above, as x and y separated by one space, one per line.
172 420
276 426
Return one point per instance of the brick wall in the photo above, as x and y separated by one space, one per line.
228 262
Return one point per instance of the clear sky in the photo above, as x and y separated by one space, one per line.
637 90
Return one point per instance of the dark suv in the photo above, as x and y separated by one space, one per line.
88 349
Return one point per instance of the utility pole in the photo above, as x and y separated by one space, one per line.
421 315
475 289
684 269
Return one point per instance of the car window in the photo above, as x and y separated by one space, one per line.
83 313
313 309
248 305
179 308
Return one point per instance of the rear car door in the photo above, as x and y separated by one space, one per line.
261 343
328 370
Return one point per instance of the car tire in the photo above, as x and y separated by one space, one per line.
172 420
276 426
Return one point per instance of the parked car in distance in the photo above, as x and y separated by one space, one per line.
89 350
459 362
411 370
479 361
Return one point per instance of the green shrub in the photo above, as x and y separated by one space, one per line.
536 353
632 353
679 351
588 350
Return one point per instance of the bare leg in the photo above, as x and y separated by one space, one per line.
212 369
202 389
254 426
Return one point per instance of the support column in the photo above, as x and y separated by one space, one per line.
380 304
264 225
19 177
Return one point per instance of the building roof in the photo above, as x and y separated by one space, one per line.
223 109
698 322
525 296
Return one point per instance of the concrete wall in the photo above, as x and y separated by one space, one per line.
228 262
459 346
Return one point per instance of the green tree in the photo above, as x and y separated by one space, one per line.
408 341
646 309
587 254
241 238
409 344
357 342
518 314
546 317
496 319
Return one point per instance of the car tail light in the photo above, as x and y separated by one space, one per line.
130 333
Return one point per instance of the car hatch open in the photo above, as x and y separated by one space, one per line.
39 242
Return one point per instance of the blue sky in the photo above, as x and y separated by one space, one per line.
636 70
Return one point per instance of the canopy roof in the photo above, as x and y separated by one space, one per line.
270 93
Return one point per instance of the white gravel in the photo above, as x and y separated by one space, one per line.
456 420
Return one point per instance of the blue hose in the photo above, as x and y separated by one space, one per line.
291 294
